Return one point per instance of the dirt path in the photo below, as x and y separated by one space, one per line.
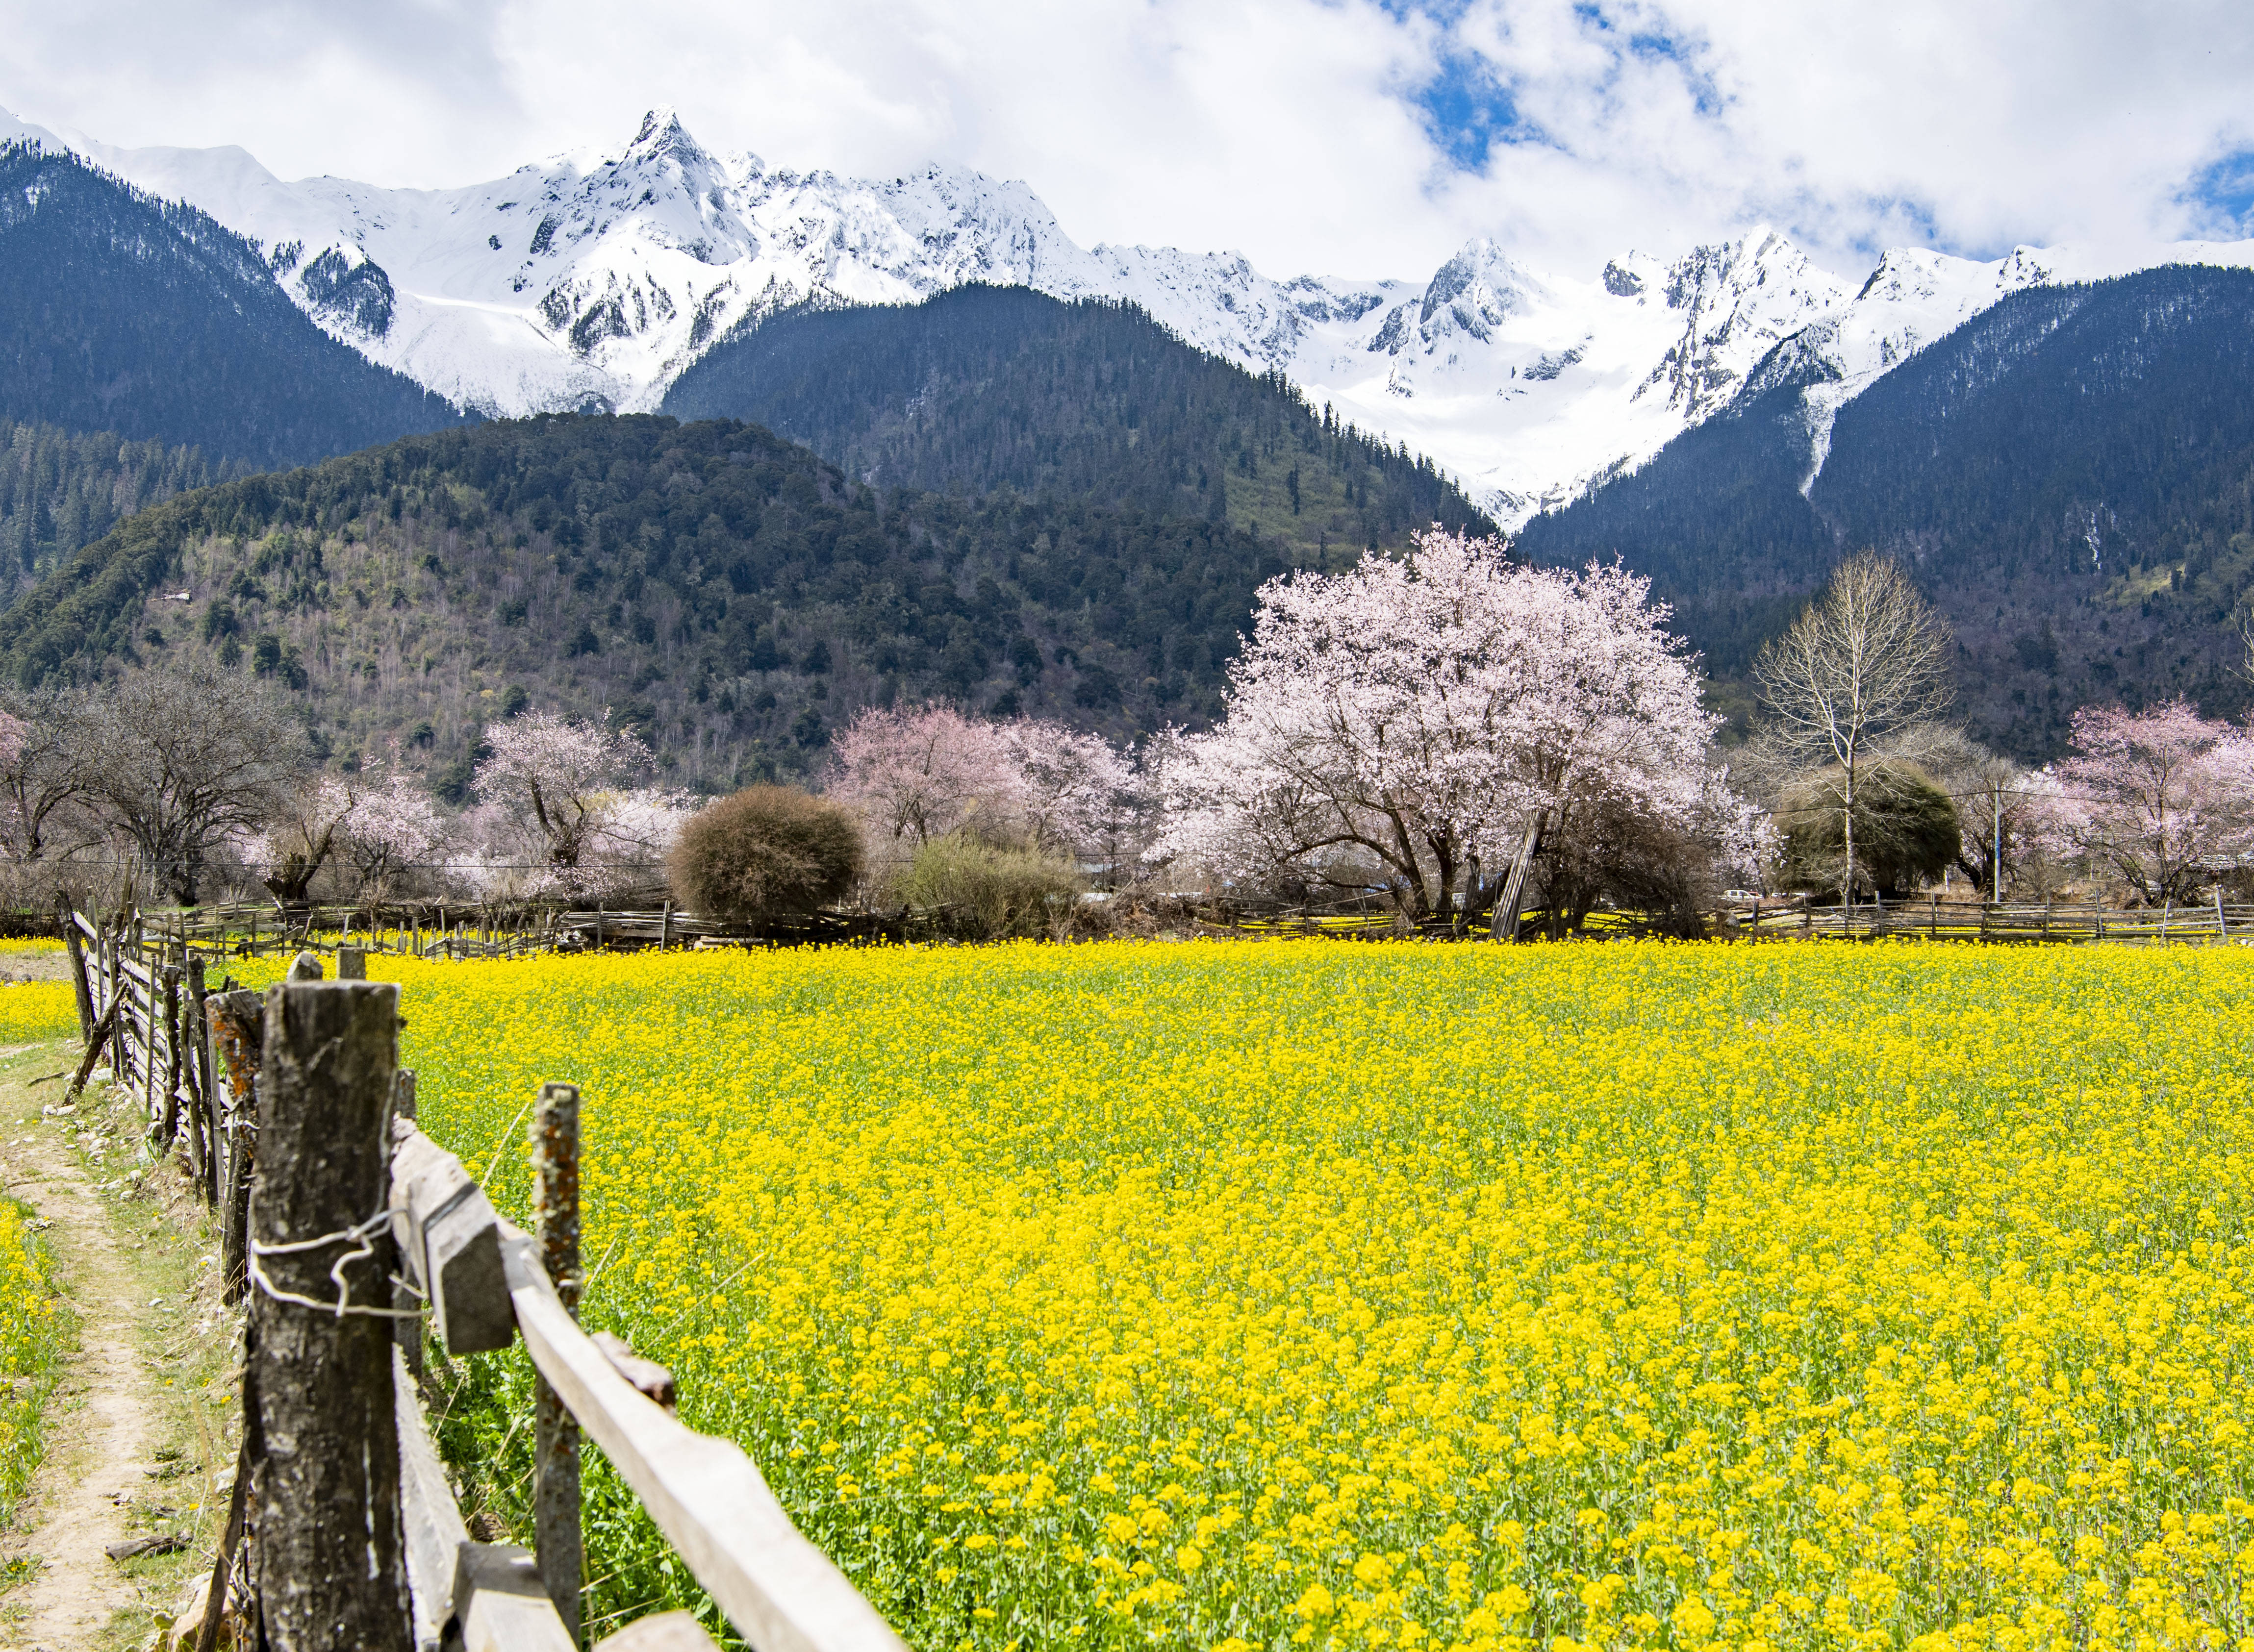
101 1427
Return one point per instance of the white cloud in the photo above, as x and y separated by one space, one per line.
1285 128
1969 126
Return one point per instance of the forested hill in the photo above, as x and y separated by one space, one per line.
731 597
59 491
119 312
982 387
2071 476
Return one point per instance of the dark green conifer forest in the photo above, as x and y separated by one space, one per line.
58 491
985 387
124 313
728 595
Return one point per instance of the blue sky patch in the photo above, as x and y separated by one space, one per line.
2223 193
1467 111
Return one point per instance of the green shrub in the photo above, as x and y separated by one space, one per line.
767 851
1906 830
981 892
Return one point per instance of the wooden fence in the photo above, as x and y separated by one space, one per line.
426 929
2206 924
1793 917
347 1231
437 929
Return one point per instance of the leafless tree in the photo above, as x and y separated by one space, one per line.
45 773
1865 661
1994 798
180 759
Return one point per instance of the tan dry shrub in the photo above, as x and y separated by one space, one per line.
988 892
766 852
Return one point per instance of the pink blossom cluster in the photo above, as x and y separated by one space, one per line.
557 814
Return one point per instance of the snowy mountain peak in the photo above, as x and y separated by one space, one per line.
1736 299
662 133
1471 295
590 280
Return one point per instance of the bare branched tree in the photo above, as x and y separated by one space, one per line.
45 773
1866 661
1995 804
177 760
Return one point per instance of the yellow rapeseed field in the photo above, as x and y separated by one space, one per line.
33 1322
32 1329
1309 1293
31 1011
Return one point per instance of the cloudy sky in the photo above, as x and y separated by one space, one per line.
1344 136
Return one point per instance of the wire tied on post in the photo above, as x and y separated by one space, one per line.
357 1235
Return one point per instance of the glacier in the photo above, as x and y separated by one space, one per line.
590 280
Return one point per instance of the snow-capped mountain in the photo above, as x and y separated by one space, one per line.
593 279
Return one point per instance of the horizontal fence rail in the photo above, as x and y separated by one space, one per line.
2208 923
441 929
1789 917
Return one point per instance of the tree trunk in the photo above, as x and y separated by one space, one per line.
1847 828
1504 926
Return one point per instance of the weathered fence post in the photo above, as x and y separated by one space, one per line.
150 1116
402 1297
202 1133
556 1436
171 1122
113 976
330 1561
237 1021
69 917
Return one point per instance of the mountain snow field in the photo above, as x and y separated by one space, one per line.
592 279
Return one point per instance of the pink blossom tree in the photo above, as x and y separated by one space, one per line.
1075 793
2158 798
1410 722
377 823
393 829
290 850
558 789
922 773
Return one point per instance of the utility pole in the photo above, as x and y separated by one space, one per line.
1996 847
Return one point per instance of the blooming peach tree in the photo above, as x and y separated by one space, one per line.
554 794
1404 723
2162 799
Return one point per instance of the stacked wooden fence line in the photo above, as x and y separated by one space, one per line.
2208 923
1796 918
293 1114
